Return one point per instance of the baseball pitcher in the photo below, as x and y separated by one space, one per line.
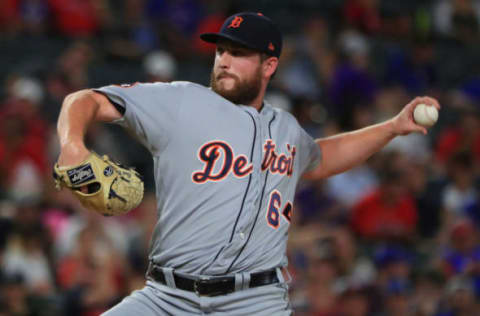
226 167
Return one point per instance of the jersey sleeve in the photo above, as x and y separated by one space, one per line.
310 155
150 110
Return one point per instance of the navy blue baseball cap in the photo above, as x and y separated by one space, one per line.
252 30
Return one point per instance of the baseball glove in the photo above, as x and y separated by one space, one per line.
111 189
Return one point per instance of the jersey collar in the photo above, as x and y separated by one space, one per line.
265 111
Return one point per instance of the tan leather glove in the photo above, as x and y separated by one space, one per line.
111 189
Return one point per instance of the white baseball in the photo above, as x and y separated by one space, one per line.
425 115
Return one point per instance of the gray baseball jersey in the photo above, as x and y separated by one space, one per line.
225 175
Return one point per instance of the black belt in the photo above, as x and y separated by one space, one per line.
212 286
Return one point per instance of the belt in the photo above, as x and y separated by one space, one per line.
211 286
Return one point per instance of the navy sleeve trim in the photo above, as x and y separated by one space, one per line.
117 106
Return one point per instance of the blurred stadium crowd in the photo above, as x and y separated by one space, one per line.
396 236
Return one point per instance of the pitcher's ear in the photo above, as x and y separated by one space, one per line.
270 65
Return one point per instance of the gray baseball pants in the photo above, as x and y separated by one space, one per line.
156 299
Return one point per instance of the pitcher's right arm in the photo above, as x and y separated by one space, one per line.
78 111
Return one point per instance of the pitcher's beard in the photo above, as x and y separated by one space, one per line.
244 92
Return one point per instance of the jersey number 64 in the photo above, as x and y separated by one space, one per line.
273 210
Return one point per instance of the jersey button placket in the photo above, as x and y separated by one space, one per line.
258 164
255 190
259 174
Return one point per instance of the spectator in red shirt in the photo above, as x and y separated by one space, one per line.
79 17
23 140
463 136
9 15
388 213
363 15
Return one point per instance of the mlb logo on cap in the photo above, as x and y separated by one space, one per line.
252 30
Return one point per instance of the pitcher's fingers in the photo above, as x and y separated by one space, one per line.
412 104
431 101
419 128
